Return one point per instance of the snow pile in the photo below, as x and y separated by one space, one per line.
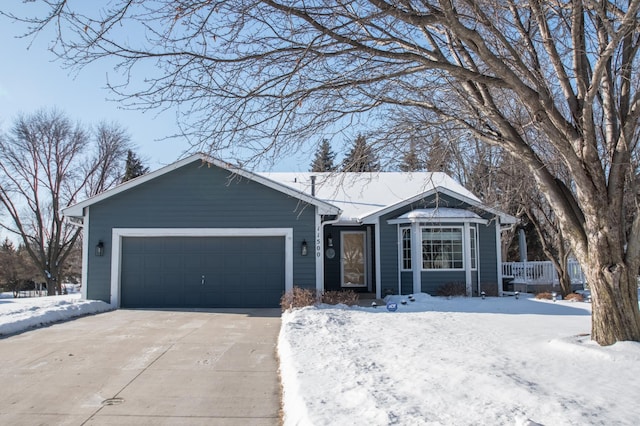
21 314
461 361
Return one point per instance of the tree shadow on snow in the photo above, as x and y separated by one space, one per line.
525 305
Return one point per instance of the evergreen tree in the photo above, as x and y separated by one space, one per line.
411 161
133 167
323 161
361 158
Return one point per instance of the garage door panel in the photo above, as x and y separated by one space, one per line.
168 271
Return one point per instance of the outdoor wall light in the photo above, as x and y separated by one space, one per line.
100 248
329 241
304 248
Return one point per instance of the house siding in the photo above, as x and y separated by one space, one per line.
198 196
431 281
488 259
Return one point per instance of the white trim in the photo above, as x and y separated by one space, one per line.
416 258
319 253
464 244
364 255
478 258
376 232
400 229
117 234
324 207
367 241
498 259
505 218
467 255
85 256
424 221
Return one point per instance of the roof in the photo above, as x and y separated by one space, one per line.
354 197
363 197
77 210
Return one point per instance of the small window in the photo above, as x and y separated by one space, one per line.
406 248
474 250
442 248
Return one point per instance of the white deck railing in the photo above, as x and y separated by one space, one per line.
541 273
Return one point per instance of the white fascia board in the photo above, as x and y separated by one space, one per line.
372 217
324 208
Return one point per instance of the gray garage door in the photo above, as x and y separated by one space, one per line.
199 272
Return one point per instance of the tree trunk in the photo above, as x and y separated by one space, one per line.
51 287
565 280
614 294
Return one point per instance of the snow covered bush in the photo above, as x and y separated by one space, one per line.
574 297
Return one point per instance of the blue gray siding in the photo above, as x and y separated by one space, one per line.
488 258
432 280
198 196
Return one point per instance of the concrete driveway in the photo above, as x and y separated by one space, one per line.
139 367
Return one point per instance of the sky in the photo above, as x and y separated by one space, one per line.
31 79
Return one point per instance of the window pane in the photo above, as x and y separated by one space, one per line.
473 249
406 248
442 248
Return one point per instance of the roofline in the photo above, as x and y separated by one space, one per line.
77 210
372 217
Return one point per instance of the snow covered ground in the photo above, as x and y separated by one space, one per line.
435 361
17 315
460 361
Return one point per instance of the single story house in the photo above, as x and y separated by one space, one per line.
205 233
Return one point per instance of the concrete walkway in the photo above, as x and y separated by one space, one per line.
134 367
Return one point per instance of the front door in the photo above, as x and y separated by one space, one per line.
353 264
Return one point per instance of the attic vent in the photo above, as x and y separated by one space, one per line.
313 186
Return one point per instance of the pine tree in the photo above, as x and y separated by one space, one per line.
133 167
411 161
361 158
323 161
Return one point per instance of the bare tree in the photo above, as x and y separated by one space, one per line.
258 74
46 164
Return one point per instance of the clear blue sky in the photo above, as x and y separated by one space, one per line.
31 78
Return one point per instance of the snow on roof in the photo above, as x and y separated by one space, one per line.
439 213
360 195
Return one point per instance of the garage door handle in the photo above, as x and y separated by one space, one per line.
203 280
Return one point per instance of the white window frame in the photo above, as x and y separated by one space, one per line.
462 242
473 245
401 231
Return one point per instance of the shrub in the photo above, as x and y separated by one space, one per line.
348 297
544 295
298 298
574 297
301 297
452 289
